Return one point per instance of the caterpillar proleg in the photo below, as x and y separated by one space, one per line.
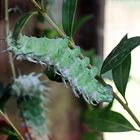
66 61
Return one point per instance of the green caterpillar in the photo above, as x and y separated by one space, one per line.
66 61
29 91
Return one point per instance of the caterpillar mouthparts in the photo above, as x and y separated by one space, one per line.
66 61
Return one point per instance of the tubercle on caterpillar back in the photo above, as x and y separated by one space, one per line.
65 60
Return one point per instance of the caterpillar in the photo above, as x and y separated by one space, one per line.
65 61
29 91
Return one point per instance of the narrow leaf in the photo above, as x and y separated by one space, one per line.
80 22
119 53
90 136
68 15
109 106
107 121
43 4
121 75
21 23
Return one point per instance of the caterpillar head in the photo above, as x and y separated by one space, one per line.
105 96
27 85
17 46
11 43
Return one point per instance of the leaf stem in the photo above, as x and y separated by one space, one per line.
6 33
12 125
126 107
36 5
124 104
53 24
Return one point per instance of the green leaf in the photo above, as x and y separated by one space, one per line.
80 22
90 136
68 15
119 53
42 4
89 53
121 75
21 23
109 106
50 33
107 121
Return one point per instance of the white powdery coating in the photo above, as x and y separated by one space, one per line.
91 90
27 85
30 85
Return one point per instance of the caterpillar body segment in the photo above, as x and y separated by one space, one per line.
66 61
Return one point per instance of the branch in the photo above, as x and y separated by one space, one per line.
6 33
126 107
12 125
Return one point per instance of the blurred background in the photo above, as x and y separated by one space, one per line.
111 20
